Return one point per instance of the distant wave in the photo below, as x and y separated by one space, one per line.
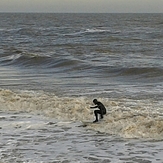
144 71
16 57
96 30
52 31
130 72
93 31
22 59
10 30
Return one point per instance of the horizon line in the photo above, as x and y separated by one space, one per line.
32 12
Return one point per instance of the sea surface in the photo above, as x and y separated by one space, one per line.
51 68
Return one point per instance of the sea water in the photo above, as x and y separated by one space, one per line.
51 68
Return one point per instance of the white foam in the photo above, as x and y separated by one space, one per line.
127 118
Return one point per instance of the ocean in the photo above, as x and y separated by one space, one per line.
52 66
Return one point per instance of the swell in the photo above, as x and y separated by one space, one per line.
20 58
24 59
130 72
141 71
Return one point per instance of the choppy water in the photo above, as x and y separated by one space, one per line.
36 139
53 65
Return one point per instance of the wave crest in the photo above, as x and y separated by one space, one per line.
18 57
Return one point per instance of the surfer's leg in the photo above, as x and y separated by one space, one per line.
101 114
96 112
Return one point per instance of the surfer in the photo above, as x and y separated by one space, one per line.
102 110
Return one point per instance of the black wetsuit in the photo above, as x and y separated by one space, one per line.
102 110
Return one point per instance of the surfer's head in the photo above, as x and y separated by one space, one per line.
95 101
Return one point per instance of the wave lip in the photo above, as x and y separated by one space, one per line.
17 57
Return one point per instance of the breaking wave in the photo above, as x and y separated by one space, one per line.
126 118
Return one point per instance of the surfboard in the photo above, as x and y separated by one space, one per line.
87 123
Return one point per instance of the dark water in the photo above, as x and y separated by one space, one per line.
55 64
76 54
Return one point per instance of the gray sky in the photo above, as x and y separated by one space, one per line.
82 6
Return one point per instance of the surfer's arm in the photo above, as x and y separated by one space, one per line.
93 107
